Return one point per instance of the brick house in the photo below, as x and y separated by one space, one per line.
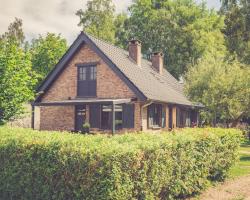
112 89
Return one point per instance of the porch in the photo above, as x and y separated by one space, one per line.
108 115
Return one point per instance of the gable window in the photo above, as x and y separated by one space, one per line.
155 115
86 85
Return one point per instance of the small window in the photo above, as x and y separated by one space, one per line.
82 73
93 73
118 117
154 115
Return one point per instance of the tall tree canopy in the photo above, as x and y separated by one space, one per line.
15 32
222 86
98 19
121 30
46 52
184 30
237 29
16 76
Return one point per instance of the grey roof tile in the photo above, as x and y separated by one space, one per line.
152 84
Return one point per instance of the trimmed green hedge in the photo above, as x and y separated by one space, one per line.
52 165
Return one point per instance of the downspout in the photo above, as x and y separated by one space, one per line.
149 102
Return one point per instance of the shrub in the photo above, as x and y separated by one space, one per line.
86 127
52 165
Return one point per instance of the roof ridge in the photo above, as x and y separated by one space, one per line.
102 40
108 42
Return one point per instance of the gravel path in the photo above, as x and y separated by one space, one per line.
237 189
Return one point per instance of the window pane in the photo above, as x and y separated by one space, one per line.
106 117
93 73
118 117
82 73
155 115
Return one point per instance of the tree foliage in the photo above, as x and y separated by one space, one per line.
222 86
237 29
15 32
184 30
98 19
46 52
121 30
16 77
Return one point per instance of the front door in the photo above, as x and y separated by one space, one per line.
80 117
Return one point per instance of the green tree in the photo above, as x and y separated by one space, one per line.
222 86
184 30
16 76
46 52
15 32
237 27
98 19
121 30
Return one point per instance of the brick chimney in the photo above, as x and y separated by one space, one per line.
134 49
157 61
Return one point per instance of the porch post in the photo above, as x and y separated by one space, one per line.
32 116
113 118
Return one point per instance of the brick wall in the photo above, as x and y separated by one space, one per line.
58 118
109 85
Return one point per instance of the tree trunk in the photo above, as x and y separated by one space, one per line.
236 121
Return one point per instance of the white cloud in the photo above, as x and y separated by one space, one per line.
58 16
43 16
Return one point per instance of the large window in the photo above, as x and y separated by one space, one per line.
155 115
183 117
106 117
86 81
101 116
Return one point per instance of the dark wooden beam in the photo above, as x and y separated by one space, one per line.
32 116
113 119
88 64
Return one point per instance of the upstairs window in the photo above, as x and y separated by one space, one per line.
86 86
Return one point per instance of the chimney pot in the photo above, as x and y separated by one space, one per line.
157 61
134 49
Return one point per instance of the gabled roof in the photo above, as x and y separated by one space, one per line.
144 80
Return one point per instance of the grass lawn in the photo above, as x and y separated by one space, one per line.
242 167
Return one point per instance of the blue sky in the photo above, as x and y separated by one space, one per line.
58 16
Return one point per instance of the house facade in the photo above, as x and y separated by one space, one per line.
111 89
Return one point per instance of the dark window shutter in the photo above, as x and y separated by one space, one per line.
163 117
128 115
94 115
92 88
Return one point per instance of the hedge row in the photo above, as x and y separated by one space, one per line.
52 165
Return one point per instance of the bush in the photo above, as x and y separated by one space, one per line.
52 165
86 127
